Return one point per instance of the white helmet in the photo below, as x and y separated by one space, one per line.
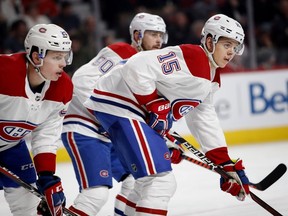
221 25
145 21
48 37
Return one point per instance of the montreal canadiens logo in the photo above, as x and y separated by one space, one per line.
64 34
12 131
62 113
182 107
167 156
104 173
42 30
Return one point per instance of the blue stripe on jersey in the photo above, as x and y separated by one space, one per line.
113 103
80 123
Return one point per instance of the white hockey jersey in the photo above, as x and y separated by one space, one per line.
23 112
78 118
181 74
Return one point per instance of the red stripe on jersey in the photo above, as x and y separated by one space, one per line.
144 147
83 118
122 198
77 211
196 60
144 99
45 162
96 91
131 204
151 211
78 160
124 50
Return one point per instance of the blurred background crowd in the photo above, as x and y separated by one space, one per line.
93 24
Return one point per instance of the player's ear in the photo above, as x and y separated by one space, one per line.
209 43
36 58
137 36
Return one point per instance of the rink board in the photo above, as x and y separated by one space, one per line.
233 138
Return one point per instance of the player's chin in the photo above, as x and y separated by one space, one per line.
59 74
156 47
223 64
56 77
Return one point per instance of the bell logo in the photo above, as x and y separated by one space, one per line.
261 101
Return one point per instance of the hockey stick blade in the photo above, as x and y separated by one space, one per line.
184 145
29 187
270 179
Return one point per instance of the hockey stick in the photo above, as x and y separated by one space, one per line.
270 179
265 183
30 188
185 145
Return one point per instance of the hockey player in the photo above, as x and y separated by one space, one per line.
35 93
137 104
84 138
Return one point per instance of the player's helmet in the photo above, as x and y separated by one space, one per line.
48 37
145 21
221 25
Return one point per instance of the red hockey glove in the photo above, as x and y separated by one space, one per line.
160 118
175 151
50 186
239 186
175 155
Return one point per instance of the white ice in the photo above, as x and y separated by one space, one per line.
198 190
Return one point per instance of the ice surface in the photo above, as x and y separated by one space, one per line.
198 190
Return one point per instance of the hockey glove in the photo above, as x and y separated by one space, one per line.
50 186
239 185
160 118
175 150
175 155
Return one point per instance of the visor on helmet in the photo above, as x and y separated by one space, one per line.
48 37
145 21
221 25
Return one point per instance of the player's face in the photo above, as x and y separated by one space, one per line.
224 51
152 40
53 65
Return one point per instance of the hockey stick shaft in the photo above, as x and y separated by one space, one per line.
265 183
185 145
29 187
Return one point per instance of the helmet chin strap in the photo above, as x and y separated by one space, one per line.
37 69
138 45
212 60
210 55
137 42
